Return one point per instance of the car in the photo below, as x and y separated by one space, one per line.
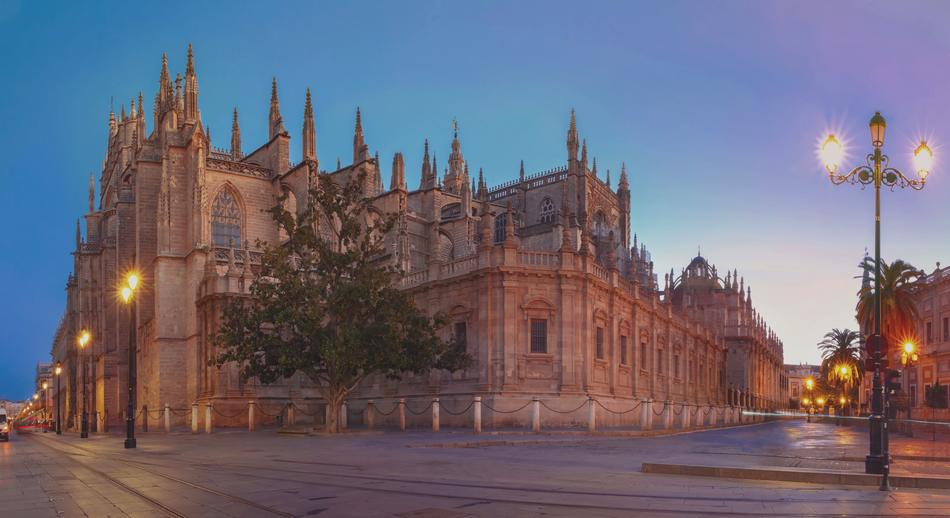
4 425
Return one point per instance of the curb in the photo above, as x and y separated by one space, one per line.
796 475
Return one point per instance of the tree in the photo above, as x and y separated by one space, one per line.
898 311
841 362
325 305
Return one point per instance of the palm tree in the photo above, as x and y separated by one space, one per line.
898 311
841 362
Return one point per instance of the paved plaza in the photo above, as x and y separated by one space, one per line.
449 474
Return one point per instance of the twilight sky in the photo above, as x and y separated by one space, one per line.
716 107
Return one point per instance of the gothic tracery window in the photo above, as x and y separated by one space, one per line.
547 211
500 222
225 220
600 224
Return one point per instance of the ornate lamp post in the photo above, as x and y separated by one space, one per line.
59 426
84 338
128 296
45 406
908 357
876 171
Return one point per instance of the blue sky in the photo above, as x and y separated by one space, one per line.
715 106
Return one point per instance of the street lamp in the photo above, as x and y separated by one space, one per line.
45 406
84 337
908 357
127 293
58 371
809 385
877 171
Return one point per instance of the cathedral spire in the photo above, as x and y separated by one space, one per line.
78 236
584 154
235 137
623 185
424 182
309 134
360 150
594 169
572 140
191 88
521 172
398 180
607 180
454 177
92 195
275 121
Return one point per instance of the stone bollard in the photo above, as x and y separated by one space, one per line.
370 414
435 414
591 415
646 414
168 419
251 410
667 414
144 418
402 414
344 408
209 425
477 414
685 419
194 417
291 414
102 422
535 415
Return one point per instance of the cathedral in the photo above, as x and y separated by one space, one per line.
540 277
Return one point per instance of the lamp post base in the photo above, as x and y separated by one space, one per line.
84 428
874 464
130 443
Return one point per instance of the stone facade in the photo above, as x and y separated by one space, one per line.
796 376
540 275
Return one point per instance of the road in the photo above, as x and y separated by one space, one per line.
450 474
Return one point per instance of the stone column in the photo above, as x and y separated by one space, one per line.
343 416
435 414
591 415
144 418
477 414
685 417
291 414
251 410
667 414
194 417
535 415
402 414
209 425
168 419
370 414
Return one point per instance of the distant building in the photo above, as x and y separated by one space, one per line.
540 275
797 374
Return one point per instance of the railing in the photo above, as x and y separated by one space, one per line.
548 259
459 266
539 179
599 271
415 279
222 255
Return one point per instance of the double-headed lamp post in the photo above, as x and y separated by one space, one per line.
59 426
908 357
876 171
84 337
128 296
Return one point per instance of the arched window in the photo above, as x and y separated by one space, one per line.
547 211
225 220
500 221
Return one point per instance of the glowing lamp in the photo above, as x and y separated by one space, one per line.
133 280
126 293
36 396
45 385
59 368
809 383
923 159
84 338
805 401
843 370
877 125
909 347
832 153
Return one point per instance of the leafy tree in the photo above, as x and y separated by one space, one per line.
325 305
841 362
898 311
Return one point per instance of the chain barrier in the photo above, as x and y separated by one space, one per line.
179 411
220 414
391 410
419 412
460 412
660 412
618 413
582 405
682 407
708 410
302 411
508 411
265 414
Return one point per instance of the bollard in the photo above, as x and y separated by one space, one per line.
100 426
168 419
343 412
144 418
685 417
208 424
402 414
477 412
646 414
194 417
591 415
291 414
667 414
250 415
535 415
435 414
370 410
